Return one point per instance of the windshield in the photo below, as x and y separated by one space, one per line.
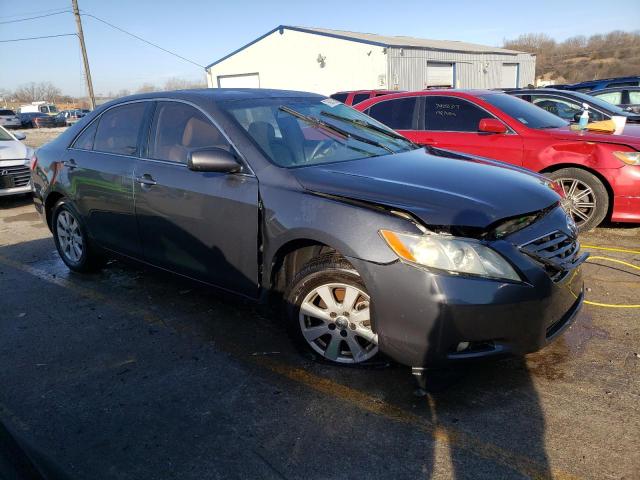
4 135
606 106
524 112
295 132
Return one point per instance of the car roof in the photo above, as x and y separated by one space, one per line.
443 91
617 89
217 94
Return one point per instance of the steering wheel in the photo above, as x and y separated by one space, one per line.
324 144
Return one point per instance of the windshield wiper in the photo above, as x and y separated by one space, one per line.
369 126
332 128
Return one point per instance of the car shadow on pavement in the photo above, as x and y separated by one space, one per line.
14 201
483 421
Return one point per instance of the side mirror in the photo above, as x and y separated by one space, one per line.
492 125
19 136
213 160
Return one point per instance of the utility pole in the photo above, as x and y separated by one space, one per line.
85 59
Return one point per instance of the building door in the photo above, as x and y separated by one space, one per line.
440 74
245 80
509 75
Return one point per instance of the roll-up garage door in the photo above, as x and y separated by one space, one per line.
439 74
509 75
245 80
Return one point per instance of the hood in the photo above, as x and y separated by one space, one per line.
13 150
630 135
440 188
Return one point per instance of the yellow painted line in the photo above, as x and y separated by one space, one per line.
611 249
361 400
454 438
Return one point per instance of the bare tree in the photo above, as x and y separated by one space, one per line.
123 93
182 84
146 88
36 92
579 58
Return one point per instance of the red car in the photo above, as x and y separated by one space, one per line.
600 173
356 96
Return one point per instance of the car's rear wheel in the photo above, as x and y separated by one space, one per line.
72 241
587 199
329 313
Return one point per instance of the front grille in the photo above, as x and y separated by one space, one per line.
16 176
556 251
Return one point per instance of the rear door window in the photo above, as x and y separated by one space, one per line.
178 129
398 114
119 129
611 97
451 114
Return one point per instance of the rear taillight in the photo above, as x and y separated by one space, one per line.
34 162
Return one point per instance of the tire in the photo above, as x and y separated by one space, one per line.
72 241
318 319
587 198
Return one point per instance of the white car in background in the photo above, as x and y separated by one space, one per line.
9 119
15 175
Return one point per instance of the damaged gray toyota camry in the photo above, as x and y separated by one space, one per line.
373 243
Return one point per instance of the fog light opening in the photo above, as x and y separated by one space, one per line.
462 346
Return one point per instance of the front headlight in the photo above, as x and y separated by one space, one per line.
630 158
450 254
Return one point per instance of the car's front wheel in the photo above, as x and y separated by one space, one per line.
72 241
586 198
329 312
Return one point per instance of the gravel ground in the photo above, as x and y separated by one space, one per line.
36 137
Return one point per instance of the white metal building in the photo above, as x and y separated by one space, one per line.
326 61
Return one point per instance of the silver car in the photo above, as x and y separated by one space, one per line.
9 119
14 164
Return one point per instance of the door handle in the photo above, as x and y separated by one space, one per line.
146 179
70 164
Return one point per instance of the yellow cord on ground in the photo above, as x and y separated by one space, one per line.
614 260
611 249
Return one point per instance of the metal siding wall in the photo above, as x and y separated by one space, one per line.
410 68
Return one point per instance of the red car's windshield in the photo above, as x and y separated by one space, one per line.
524 112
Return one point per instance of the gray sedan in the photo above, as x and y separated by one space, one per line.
373 243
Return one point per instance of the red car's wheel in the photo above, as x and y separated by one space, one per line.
586 199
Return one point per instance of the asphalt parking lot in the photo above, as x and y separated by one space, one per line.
131 373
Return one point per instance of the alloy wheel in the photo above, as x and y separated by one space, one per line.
579 201
69 236
335 320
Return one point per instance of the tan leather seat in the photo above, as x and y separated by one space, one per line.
197 133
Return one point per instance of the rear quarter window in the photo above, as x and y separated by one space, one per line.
359 97
341 97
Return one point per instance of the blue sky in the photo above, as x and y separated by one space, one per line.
207 30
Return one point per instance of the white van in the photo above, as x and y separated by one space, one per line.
42 107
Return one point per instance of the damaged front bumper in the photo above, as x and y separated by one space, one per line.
426 318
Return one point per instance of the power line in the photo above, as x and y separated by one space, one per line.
142 39
37 12
33 18
36 38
